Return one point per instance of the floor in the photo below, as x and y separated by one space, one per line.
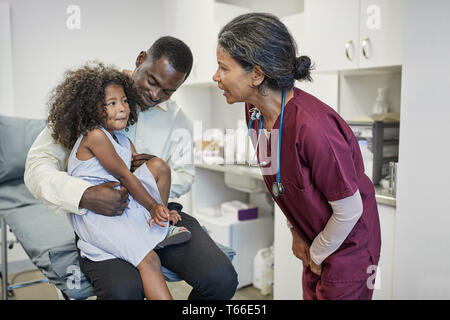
44 291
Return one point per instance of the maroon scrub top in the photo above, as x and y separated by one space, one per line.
321 161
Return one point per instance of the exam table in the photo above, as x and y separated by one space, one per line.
48 239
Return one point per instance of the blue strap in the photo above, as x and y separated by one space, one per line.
279 137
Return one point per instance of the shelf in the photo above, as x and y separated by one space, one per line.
251 172
199 84
391 142
371 71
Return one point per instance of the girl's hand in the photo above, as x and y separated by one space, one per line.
174 217
159 215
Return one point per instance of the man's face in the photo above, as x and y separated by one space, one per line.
157 80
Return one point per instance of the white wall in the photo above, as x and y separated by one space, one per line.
43 47
422 256
6 76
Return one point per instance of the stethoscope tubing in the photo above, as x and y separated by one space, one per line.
253 117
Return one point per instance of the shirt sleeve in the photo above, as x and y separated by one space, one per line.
329 158
46 178
181 157
346 213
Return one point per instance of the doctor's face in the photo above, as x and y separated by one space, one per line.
232 78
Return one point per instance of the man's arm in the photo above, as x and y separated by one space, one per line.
46 178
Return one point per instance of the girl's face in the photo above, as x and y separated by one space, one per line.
117 108
235 82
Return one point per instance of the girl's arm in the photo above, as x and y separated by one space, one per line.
102 148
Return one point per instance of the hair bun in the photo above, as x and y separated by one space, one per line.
302 68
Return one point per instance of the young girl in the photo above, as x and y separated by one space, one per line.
86 111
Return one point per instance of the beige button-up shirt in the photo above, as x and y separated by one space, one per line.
164 131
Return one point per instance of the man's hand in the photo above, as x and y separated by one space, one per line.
104 199
138 159
159 215
300 248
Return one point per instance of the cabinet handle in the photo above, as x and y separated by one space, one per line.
348 47
365 46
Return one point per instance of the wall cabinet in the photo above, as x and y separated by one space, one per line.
351 34
288 269
198 24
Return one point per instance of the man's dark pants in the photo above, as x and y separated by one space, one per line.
199 262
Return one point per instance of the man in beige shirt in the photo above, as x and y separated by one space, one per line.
162 130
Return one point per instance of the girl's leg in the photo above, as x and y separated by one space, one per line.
155 287
161 172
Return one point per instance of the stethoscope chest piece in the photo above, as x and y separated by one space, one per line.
277 189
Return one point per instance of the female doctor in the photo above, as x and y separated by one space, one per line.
318 178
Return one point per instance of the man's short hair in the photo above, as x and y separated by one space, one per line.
176 51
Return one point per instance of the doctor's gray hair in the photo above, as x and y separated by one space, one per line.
261 39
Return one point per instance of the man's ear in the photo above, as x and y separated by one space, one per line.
257 76
141 58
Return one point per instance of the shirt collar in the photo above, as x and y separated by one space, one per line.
162 106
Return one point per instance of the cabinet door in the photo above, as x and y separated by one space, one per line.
332 33
296 26
193 22
288 269
383 282
381 32
197 23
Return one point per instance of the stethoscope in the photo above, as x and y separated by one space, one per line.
277 186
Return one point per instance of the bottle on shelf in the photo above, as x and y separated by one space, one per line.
380 106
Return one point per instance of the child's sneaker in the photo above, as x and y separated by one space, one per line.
175 235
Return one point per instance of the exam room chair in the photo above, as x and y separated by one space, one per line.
47 239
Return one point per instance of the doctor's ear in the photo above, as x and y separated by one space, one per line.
257 76
141 58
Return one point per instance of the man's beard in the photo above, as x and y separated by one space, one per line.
142 104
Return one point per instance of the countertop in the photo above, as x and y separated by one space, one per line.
382 195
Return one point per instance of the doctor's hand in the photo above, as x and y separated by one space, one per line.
138 159
315 268
300 248
104 199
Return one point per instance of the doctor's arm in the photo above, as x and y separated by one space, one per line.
346 213
330 158
47 180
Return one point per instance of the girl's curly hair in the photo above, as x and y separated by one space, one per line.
74 103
